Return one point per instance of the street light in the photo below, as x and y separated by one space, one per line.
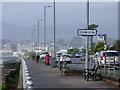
54 32
34 37
45 28
38 34
34 40
87 39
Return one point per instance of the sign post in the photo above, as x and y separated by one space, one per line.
101 37
84 32
87 33
105 39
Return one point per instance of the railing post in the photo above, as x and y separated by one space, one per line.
114 68
109 65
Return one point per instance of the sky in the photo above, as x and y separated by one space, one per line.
18 19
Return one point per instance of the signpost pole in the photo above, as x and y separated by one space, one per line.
87 39
105 37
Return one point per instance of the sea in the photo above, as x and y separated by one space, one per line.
6 59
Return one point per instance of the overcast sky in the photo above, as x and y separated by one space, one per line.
18 19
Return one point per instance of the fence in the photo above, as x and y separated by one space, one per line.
108 69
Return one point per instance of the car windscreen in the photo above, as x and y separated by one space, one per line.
46 52
111 54
77 53
65 55
82 54
59 54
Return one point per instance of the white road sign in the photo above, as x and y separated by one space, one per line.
83 32
100 36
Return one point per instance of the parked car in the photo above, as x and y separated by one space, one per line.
43 55
111 56
77 54
82 55
58 56
65 58
40 55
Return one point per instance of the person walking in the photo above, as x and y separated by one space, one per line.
37 58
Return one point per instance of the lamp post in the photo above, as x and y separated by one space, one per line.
45 28
39 34
54 32
32 39
87 39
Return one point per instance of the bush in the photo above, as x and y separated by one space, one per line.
4 86
72 51
91 52
31 55
11 82
83 51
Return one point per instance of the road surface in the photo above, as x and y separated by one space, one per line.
44 76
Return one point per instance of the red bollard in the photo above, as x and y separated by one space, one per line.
47 59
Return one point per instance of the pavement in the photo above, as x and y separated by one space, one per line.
44 76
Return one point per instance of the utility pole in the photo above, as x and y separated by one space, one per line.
87 39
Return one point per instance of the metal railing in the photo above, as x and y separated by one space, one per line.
109 69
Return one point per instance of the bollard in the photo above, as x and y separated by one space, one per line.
29 83
53 62
27 71
28 78
47 59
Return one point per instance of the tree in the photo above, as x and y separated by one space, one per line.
76 42
31 55
61 42
92 27
100 46
116 46
110 41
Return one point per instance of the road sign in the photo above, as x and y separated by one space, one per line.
101 36
83 32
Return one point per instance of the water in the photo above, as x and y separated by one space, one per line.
1 61
7 59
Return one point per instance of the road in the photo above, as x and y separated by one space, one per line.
44 76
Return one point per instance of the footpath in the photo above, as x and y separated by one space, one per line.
44 76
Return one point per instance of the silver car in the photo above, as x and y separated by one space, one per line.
112 57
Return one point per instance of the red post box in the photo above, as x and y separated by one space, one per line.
47 59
